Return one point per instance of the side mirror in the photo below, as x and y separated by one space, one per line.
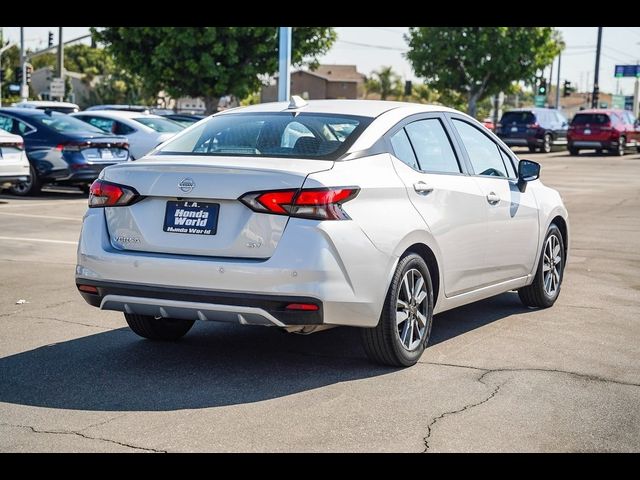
528 171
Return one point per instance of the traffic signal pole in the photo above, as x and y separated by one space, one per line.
558 82
596 87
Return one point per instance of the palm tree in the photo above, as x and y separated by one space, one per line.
386 82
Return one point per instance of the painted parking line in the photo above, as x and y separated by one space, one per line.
43 240
42 204
51 217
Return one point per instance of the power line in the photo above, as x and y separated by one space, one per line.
621 52
632 31
388 30
367 45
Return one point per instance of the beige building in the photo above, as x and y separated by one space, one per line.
325 82
80 89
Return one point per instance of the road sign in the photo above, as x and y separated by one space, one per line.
539 100
627 71
14 87
56 88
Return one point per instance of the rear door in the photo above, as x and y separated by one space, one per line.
512 216
450 202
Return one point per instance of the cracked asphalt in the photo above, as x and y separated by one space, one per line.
496 378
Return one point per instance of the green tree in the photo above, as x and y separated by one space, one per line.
386 82
479 61
208 62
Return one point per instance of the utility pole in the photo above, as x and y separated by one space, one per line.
284 72
548 92
24 89
558 82
596 87
60 57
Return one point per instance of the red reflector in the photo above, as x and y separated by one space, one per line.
60 146
302 306
87 288
273 201
322 197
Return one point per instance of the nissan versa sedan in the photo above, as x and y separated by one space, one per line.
305 216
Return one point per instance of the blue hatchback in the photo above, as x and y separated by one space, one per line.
61 149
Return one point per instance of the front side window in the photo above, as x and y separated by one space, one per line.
432 146
162 125
484 155
269 134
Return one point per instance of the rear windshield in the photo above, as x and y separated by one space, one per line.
590 118
160 124
63 123
518 117
281 134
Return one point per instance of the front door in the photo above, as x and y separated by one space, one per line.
512 216
451 203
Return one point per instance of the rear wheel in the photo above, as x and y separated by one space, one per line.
622 147
546 143
31 187
404 327
158 328
544 290
573 151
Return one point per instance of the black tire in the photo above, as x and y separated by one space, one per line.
532 148
158 328
598 151
573 151
383 344
546 143
535 295
32 187
622 147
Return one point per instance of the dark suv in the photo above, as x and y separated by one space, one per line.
61 149
604 129
536 128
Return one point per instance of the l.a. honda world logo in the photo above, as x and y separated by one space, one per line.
186 184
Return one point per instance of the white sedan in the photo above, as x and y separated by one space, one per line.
306 216
144 131
14 166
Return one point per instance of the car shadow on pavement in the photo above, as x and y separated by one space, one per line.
214 365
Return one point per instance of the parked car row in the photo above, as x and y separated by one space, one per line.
53 143
610 130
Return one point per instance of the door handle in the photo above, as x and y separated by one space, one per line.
493 199
422 188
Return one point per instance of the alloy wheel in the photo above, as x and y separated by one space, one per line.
412 306
552 265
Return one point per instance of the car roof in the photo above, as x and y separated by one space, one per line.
117 114
45 103
363 108
532 109
28 112
600 110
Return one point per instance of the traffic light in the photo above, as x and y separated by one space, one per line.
542 87
28 71
50 39
408 88
567 89
17 74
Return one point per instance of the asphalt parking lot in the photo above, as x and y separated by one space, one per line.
496 377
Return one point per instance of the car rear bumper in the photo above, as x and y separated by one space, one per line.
604 144
191 304
331 264
9 180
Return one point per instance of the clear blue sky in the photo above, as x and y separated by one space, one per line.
621 45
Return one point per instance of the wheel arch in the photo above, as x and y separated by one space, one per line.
432 263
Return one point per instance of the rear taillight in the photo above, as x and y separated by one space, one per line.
312 203
107 194
73 146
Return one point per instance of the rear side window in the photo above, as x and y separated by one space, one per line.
591 119
402 149
270 134
518 118
162 125
432 146
104 124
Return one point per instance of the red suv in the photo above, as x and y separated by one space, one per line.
603 129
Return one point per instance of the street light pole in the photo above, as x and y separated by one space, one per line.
284 72
596 87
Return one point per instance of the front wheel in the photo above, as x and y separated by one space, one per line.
544 290
404 327
158 328
546 143
573 151
622 147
